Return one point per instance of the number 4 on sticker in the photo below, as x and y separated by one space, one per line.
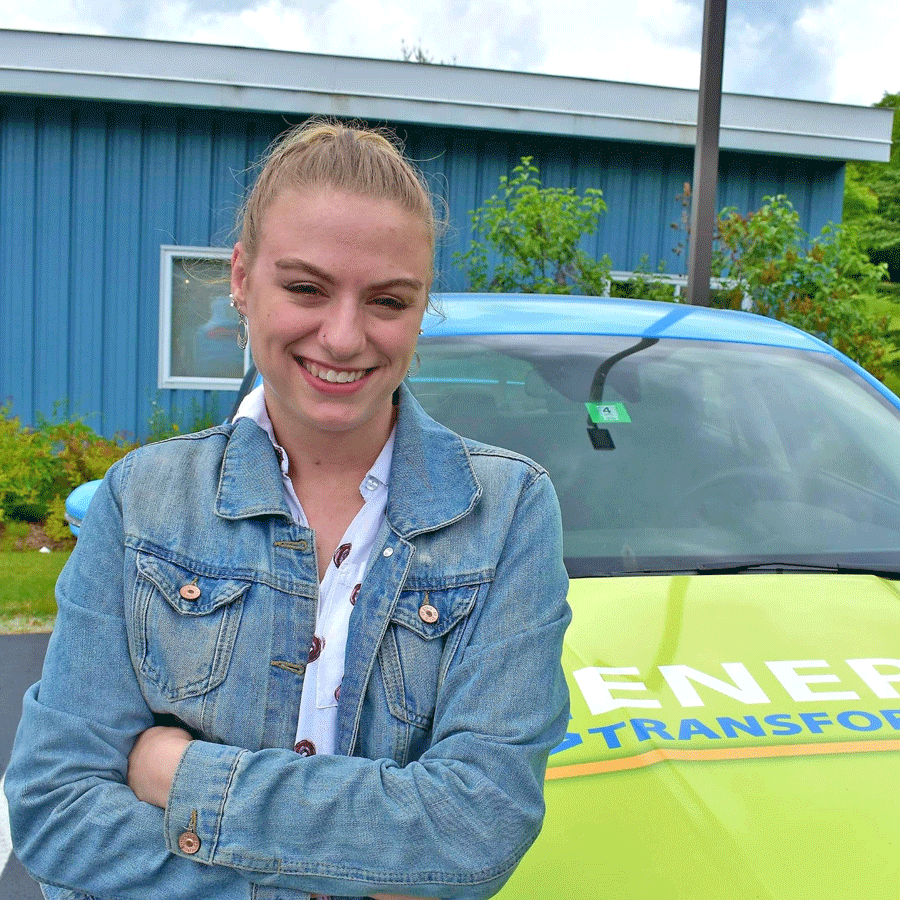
605 413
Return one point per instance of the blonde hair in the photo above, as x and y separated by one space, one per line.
323 153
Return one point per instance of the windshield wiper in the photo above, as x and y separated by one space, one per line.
769 565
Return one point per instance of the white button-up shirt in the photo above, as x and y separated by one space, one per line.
317 720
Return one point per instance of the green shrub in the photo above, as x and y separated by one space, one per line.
40 466
824 285
646 285
26 470
533 232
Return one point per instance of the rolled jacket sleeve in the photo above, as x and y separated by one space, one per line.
453 823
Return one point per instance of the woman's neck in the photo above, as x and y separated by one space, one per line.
317 453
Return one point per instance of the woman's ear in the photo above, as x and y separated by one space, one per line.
239 270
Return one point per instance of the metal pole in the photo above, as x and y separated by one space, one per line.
706 153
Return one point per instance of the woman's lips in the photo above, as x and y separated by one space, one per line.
333 376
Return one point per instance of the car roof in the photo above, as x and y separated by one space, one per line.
471 314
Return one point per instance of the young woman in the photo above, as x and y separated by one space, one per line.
315 651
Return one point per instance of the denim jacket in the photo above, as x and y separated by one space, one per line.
444 722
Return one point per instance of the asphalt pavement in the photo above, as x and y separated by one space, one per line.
21 658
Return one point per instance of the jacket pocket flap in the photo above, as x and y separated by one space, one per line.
433 613
187 592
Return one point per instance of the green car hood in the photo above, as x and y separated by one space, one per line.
731 737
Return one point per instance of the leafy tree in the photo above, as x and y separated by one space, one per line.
872 199
526 238
822 285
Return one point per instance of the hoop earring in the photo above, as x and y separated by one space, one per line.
243 333
412 372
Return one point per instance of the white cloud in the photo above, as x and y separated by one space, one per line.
861 37
840 50
621 40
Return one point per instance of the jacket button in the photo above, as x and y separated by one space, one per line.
190 592
388 551
428 613
188 842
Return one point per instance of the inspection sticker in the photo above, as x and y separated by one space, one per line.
604 413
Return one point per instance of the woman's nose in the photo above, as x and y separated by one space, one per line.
342 332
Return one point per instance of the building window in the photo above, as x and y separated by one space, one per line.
197 325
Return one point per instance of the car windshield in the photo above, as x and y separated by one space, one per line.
682 455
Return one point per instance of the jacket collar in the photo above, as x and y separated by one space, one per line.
432 480
250 482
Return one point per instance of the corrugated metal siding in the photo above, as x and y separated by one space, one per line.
90 191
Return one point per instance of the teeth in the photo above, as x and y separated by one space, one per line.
331 375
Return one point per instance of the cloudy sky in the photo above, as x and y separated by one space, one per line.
844 51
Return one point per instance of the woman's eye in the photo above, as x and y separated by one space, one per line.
303 288
390 303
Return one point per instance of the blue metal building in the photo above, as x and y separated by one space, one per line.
117 177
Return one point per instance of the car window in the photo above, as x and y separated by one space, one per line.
669 455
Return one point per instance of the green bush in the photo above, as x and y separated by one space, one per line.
824 285
646 285
40 466
26 470
533 233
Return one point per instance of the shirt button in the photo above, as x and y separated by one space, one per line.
188 842
371 483
388 551
190 592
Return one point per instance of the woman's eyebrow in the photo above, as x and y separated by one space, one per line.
413 283
293 263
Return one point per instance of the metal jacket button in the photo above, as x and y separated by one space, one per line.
190 592
188 842
428 613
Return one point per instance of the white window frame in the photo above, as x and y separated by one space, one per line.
166 380
678 283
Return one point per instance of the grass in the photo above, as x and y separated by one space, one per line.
27 578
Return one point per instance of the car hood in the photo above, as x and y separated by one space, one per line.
731 736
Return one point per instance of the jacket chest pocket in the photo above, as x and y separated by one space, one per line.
424 633
185 625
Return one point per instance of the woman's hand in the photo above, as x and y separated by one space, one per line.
153 761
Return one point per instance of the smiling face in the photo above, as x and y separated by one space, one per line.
334 299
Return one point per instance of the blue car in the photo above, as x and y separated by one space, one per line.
730 492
